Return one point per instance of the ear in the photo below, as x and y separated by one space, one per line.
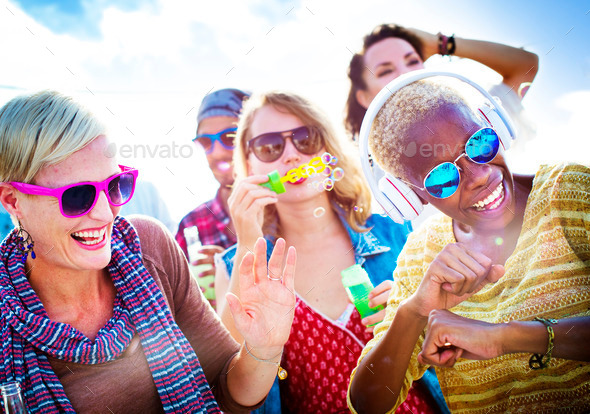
9 200
363 98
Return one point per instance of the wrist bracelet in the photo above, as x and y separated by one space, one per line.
446 44
540 361
442 44
451 46
282 372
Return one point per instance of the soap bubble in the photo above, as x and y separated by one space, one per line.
319 212
328 184
333 161
309 170
326 158
327 171
358 209
337 174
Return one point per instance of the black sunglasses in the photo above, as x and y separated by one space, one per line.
270 146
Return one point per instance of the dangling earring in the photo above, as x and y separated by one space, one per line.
26 242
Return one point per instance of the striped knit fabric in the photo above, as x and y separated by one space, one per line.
27 334
548 275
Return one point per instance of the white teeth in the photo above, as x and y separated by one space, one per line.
483 203
89 243
97 235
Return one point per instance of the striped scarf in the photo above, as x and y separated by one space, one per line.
27 334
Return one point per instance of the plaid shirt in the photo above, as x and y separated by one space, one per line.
212 222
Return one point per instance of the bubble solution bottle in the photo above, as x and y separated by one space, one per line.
358 286
12 398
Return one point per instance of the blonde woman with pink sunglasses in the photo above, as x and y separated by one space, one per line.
100 312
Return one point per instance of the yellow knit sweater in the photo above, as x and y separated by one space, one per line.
548 275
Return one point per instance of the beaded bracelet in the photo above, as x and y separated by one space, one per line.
540 361
451 46
282 372
446 44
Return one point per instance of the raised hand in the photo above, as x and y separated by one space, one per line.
264 312
454 275
246 205
450 336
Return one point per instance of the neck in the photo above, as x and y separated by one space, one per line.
63 287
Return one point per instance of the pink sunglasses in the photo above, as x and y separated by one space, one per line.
76 200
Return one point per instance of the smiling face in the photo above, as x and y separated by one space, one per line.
485 199
220 158
270 119
81 243
384 61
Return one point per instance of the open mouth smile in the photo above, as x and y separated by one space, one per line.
492 201
89 238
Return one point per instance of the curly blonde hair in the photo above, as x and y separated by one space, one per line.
348 193
407 107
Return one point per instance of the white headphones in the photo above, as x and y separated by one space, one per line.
398 200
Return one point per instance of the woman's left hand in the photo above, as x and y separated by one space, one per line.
450 336
378 296
264 312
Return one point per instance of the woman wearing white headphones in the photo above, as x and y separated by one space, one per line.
495 292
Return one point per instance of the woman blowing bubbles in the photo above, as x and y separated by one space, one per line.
471 283
282 131
99 313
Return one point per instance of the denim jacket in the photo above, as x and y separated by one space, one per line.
376 251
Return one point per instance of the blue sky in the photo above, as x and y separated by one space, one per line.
145 65
78 18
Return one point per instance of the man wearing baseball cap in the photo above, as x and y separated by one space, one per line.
216 128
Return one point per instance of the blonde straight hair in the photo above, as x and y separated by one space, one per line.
42 129
351 193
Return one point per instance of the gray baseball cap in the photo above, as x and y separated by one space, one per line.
224 102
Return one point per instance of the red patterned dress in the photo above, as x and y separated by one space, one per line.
319 357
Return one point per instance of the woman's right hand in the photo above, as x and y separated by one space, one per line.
454 275
246 206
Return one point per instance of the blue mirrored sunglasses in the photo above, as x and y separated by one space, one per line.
444 179
225 138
